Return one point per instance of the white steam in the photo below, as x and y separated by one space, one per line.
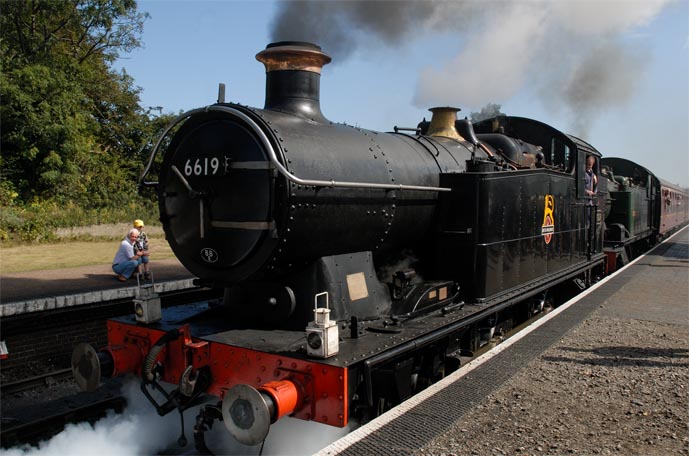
488 68
289 436
567 53
611 16
140 431
405 260
137 431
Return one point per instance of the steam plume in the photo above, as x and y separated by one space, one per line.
139 430
566 53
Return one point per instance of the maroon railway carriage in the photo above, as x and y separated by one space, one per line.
674 207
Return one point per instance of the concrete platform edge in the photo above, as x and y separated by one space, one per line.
57 302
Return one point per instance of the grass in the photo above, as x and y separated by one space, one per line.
81 246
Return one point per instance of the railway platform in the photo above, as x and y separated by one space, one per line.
605 373
36 291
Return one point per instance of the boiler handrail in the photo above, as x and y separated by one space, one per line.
274 160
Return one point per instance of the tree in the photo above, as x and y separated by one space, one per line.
35 31
70 124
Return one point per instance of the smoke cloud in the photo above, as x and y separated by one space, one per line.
591 85
403 261
139 430
342 26
567 54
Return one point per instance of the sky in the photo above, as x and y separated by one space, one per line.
614 73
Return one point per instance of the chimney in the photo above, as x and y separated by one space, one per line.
293 78
443 123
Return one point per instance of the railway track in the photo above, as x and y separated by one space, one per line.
43 421
36 381
42 344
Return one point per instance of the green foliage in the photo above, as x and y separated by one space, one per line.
69 31
38 222
73 130
44 129
68 119
8 194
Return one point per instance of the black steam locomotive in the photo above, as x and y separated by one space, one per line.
358 266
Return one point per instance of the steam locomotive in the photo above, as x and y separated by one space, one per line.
641 208
359 266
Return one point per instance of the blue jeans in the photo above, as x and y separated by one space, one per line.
126 268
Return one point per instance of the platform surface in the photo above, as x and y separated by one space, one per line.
605 345
35 291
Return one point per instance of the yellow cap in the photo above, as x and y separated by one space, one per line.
138 223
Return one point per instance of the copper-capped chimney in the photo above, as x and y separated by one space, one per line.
443 123
293 78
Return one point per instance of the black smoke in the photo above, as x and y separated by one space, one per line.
341 27
569 55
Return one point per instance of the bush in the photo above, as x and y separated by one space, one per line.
37 222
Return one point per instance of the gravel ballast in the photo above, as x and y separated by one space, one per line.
611 386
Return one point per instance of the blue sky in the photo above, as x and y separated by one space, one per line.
641 111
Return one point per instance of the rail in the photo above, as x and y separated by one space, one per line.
38 381
19 432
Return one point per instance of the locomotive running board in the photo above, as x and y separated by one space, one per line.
533 288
